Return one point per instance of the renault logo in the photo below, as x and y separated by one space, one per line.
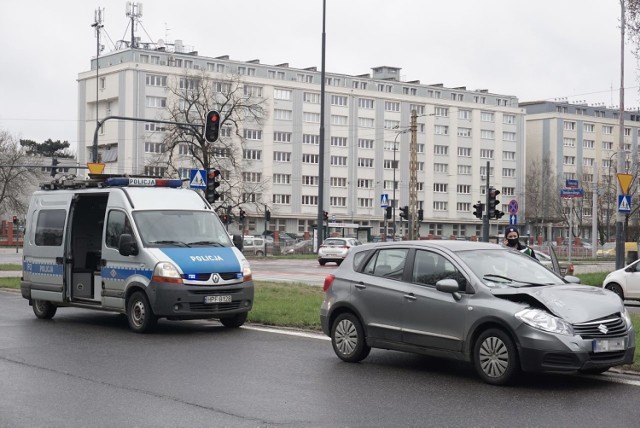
215 278
603 329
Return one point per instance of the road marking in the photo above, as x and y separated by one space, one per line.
305 334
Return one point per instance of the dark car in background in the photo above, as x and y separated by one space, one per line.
498 309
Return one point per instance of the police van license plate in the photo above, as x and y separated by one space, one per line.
608 345
217 299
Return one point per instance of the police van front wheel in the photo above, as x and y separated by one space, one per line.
43 309
139 313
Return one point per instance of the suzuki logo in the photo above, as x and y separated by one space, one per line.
603 329
215 278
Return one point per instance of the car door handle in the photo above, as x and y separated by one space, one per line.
410 296
361 286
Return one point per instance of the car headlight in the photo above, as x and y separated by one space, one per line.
627 318
543 320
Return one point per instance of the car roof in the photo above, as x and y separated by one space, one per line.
451 245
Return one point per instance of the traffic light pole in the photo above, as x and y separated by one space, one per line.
485 217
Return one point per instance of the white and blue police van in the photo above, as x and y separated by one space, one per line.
140 246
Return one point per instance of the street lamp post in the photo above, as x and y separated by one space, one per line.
620 216
395 148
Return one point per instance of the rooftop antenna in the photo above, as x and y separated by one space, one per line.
166 31
134 11
97 24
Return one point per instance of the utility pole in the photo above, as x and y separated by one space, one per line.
620 216
413 178
320 214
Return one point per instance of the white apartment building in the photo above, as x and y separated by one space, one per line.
580 142
458 131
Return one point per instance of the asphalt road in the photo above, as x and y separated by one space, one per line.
85 368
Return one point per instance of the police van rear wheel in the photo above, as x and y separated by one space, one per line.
43 309
234 321
139 313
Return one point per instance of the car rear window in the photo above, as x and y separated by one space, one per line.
334 242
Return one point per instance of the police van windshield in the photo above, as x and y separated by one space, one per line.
181 229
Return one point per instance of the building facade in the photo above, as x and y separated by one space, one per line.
458 131
579 143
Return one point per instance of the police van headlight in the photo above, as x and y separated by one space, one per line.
166 272
246 271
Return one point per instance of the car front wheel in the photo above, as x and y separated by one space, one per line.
234 321
347 338
139 313
495 357
616 289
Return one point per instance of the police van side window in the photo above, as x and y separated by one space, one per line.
117 224
49 228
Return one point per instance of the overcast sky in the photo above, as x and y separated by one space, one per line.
535 50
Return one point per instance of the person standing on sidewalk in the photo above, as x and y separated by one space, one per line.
512 240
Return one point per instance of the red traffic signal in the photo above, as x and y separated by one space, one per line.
212 126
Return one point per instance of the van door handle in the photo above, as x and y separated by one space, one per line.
59 260
410 296
361 286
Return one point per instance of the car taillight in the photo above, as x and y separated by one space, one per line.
327 282
570 270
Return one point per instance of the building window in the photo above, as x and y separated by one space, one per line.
339 120
365 162
440 167
157 102
418 108
252 177
391 124
339 141
607 145
252 91
464 114
309 158
607 129
282 156
309 200
311 117
589 127
588 144
440 150
486 154
281 178
365 203
486 116
508 172
338 100
440 187
464 189
253 134
464 132
509 119
391 106
310 180
281 94
339 160
338 182
509 156
464 152
441 130
365 183
569 125
442 111
569 142
487 134
569 160
310 139
364 143
282 137
367 103
282 114
464 169
508 136
366 122
311 97
282 199
154 147
251 154
155 80
439 206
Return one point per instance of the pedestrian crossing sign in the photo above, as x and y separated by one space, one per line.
624 203
197 179
384 200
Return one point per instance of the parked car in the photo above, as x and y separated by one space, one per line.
625 282
253 245
609 249
335 249
302 247
495 308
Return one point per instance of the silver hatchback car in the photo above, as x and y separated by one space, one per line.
482 303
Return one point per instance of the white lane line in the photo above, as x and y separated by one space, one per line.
611 378
307 335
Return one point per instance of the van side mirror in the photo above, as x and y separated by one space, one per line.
237 241
127 245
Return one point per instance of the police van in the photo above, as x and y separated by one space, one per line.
140 246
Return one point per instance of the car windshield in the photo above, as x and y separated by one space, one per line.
181 229
508 268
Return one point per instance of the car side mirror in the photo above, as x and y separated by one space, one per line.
449 286
127 245
572 279
238 242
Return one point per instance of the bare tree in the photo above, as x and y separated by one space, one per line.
15 177
542 191
241 107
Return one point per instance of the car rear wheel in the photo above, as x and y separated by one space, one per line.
259 253
44 310
616 289
347 338
322 262
495 357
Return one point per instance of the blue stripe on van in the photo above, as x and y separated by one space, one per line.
204 259
119 273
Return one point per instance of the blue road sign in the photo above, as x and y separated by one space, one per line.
513 206
513 219
198 179
384 200
572 184
571 193
624 203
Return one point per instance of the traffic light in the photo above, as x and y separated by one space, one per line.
493 202
325 216
211 194
15 219
389 213
420 215
212 126
267 215
404 213
499 214
54 170
243 215
479 207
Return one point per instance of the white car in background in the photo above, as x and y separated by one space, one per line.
625 282
335 249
